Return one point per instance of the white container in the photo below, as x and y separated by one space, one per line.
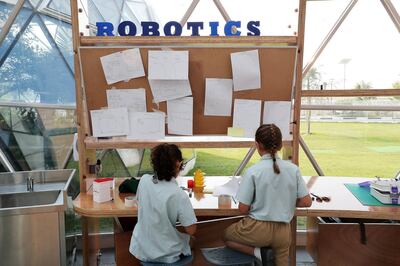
103 189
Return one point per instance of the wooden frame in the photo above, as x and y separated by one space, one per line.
350 93
87 144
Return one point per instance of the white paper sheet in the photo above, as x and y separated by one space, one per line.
180 116
247 115
123 65
110 122
246 70
278 113
131 98
164 90
218 99
144 125
229 188
169 65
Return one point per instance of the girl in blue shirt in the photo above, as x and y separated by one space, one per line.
268 194
161 205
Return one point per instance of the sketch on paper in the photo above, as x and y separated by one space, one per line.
180 116
123 65
164 90
143 125
218 99
247 115
110 122
169 65
279 113
130 98
246 70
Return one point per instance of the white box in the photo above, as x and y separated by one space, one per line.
103 189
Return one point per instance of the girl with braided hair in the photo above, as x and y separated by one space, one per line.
162 203
268 194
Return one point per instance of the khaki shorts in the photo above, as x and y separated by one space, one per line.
259 233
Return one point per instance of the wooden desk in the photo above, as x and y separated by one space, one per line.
342 204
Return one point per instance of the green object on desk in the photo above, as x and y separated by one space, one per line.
129 185
364 197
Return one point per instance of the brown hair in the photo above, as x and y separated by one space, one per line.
163 160
270 137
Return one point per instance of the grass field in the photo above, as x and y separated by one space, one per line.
341 149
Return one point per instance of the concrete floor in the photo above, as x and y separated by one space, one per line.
107 258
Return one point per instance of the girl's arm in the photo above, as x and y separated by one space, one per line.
243 208
191 229
304 201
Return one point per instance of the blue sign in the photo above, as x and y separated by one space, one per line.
174 28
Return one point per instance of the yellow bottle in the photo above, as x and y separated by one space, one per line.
198 180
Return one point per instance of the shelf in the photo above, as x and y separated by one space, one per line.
200 141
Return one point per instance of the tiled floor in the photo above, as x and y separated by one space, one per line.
107 258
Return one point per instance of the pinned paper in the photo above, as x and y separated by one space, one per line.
278 113
134 99
247 115
164 90
246 70
218 100
170 65
180 116
123 65
110 122
236 132
146 125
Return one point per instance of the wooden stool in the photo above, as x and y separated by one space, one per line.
182 262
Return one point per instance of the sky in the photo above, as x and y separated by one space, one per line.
367 37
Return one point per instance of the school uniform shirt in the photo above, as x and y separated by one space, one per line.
272 197
160 206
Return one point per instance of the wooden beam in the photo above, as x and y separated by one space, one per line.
152 40
296 112
350 93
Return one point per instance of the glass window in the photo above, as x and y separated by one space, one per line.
363 53
363 144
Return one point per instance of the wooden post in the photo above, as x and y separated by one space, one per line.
297 110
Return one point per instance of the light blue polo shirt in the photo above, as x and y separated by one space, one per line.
272 197
161 206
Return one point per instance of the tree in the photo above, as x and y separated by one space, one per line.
311 80
364 85
396 85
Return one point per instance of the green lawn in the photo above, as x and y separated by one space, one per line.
341 149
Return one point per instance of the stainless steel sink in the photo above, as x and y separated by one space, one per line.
28 199
35 217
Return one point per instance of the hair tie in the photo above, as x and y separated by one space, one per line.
273 159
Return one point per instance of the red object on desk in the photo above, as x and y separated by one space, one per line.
190 183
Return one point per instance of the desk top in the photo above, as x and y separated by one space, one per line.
342 204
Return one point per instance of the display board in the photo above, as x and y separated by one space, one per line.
277 70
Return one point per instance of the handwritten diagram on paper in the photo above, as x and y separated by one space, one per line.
110 122
169 65
131 98
246 70
246 115
164 90
144 125
123 65
278 113
218 101
180 116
